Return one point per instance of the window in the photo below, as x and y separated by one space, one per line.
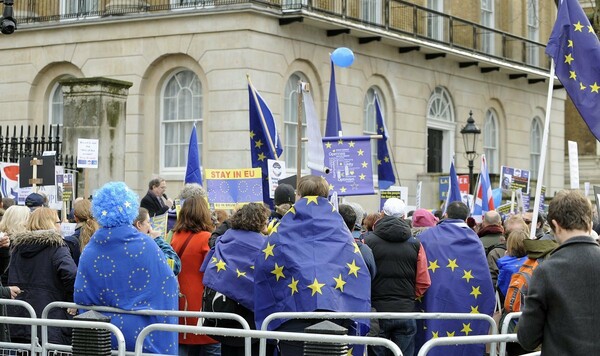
186 4
435 23
56 105
182 107
535 151
533 32
78 8
370 122
487 20
440 131
290 123
371 11
490 140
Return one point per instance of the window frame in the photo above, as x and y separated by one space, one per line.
491 149
290 120
535 145
444 123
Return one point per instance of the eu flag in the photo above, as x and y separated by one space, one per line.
193 173
310 262
229 266
264 139
575 49
333 125
454 188
385 170
460 283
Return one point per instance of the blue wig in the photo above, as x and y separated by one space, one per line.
115 204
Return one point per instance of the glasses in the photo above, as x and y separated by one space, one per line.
58 222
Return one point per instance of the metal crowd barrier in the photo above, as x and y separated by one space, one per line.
376 315
34 338
263 335
504 329
147 312
463 340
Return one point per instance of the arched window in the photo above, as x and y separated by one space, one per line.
441 127
490 140
290 123
182 107
535 141
370 121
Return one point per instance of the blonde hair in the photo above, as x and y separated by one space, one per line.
14 220
42 218
82 210
515 245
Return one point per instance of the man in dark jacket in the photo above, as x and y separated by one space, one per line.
401 275
156 201
561 310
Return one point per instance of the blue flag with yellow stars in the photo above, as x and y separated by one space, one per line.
229 266
385 170
575 49
264 139
460 283
310 262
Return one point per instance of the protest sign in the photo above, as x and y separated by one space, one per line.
228 188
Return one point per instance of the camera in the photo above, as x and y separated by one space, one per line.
8 25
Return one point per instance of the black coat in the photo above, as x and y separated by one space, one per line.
4 294
42 266
150 202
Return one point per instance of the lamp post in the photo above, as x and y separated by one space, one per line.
470 132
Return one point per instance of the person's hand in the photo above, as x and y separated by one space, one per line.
14 291
169 203
153 234
4 240
72 311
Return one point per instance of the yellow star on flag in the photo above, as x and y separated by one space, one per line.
362 176
269 250
466 329
590 29
331 187
364 164
221 265
569 58
581 86
379 162
450 334
578 26
274 229
311 198
360 152
349 353
452 264
339 283
258 144
328 145
570 43
594 87
356 248
351 144
252 134
419 298
353 268
291 211
386 159
475 291
340 142
467 275
278 272
474 309
435 334
343 189
293 286
261 156
433 266
316 287
572 75
240 273
214 260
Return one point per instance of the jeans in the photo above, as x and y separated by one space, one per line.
200 350
401 332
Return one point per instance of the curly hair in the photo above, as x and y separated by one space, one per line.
115 204
251 217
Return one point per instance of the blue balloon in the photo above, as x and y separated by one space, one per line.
342 57
497 194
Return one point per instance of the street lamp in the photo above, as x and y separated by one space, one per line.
470 132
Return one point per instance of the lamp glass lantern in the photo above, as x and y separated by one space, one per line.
470 133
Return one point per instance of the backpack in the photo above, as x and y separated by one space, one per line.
213 301
519 285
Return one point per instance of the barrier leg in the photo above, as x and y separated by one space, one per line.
321 349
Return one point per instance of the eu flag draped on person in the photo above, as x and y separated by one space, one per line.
312 266
574 47
264 139
484 200
460 283
333 125
193 173
385 170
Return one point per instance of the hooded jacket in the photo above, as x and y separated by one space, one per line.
396 252
42 266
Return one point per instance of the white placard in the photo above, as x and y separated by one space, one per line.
87 153
418 202
276 172
67 229
573 164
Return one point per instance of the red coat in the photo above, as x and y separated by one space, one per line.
190 280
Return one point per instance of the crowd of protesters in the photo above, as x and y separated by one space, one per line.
306 254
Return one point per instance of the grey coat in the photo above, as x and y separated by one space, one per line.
561 310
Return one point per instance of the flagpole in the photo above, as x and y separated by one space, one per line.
299 136
540 177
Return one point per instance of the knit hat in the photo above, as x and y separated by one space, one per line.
34 200
284 193
394 207
423 218
115 204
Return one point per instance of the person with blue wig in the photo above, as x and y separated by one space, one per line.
123 268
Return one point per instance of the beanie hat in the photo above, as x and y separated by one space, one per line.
284 193
423 218
394 207
34 200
